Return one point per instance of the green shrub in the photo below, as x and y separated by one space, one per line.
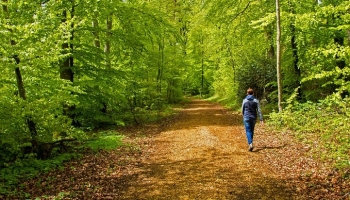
325 123
23 169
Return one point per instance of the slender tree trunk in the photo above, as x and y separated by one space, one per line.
160 60
160 65
339 40
66 65
296 62
21 90
71 45
279 81
183 32
202 65
97 44
202 81
294 45
109 26
271 50
107 50
95 26
232 61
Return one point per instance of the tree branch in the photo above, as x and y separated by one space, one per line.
240 13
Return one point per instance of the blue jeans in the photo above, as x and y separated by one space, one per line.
249 125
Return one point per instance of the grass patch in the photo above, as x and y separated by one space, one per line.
107 140
226 102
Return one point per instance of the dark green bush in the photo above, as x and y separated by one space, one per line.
324 126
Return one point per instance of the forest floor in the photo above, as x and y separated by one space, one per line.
201 153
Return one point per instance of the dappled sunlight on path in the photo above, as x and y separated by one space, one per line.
200 153
203 155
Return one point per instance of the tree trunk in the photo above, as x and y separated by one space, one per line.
295 56
97 44
71 46
271 50
67 64
339 40
270 53
109 26
107 50
65 67
296 62
202 81
278 54
232 61
202 65
95 26
21 90
160 65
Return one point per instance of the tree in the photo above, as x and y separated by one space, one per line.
278 40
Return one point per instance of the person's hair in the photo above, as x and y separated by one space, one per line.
250 91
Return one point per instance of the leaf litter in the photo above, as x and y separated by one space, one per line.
201 153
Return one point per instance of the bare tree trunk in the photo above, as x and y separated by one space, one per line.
279 81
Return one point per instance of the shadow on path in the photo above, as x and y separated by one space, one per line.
203 155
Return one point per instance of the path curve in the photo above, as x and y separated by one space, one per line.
203 155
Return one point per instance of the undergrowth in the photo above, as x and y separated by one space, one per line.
23 169
14 174
323 126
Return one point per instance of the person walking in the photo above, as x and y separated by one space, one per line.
250 111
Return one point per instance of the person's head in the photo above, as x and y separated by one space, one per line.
250 91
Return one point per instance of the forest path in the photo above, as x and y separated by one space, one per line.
203 155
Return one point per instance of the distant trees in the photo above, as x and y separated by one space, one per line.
314 49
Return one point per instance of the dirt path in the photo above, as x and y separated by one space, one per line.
199 154
203 155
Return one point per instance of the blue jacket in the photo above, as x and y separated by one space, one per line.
251 108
